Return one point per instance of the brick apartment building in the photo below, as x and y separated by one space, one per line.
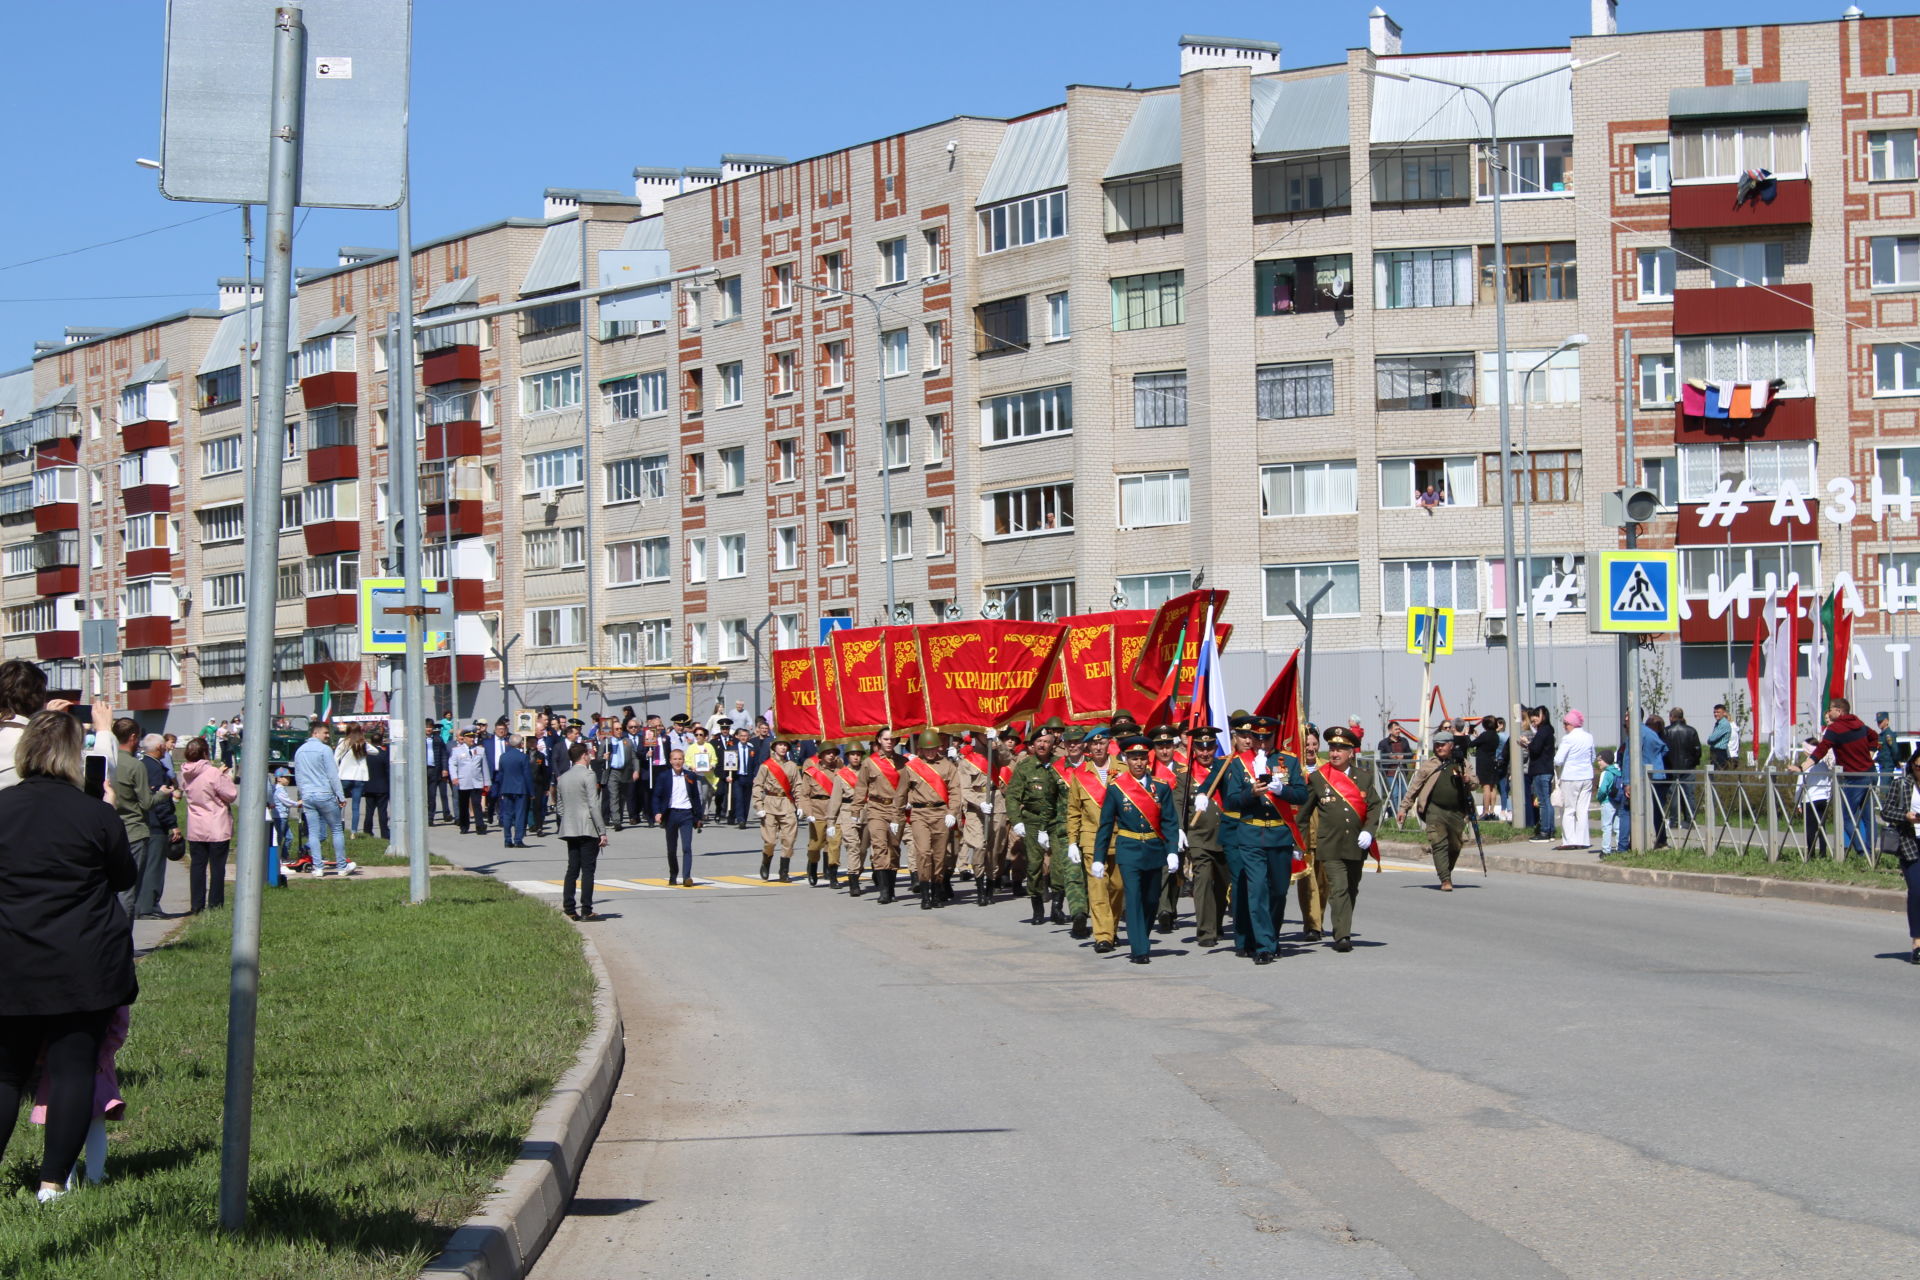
1241 324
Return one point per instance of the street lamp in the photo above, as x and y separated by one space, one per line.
1517 775
1573 343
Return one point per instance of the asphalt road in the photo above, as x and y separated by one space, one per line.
1534 1077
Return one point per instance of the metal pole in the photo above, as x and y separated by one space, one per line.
587 392
263 554
886 466
759 665
1526 524
411 516
1306 651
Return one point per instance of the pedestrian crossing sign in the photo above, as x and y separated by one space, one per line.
1639 591
1430 633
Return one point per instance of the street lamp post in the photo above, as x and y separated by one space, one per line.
1573 343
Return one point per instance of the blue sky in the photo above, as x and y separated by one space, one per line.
510 98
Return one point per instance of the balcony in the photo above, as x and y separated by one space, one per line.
469 595
48 645
328 536
335 462
136 436
1706 206
460 668
456 439
45 426
56 563
336 610
56 498
335 676
457 363
1782 419
63 451
1776 308
460 519
149 562
149 632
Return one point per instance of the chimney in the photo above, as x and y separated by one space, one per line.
1197 53
739 166
653 186
557 202
236 292
1606 17
697 178
1383 33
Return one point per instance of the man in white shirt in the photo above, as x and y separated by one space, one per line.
1574 760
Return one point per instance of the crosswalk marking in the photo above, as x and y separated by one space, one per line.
752 881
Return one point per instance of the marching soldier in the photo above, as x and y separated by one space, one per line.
1136 839
1167 767
1313 883
773 802
970 774
1086 791
1439 795
1342 794
853 820
1257 792
933 804
1037 807
879 798
1206 856
819 798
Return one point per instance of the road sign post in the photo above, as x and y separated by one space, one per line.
1638 596
1429 636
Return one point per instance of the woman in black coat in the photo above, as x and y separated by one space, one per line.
379 783
66 946
1900 810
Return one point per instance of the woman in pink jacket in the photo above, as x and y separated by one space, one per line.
210 795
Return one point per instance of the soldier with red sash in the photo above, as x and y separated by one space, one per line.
853 820
1167 767
970 774
818 796
1343 794
932 796
1086 791
1137 840
773 804
1257 792
1206 856
878 797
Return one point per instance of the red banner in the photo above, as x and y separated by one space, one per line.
796 694
985 674
906 694
1160 655
1090 660
860 670
1282 702
826 679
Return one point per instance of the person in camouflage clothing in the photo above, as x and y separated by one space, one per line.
1037 808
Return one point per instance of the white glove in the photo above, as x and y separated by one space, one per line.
1099 870
759 813
951 820
833 832
986 810
1183 843
1020 830
1277 785
1073 854
805 821
1201 803
1173 862
893 828
1046 841
1365 841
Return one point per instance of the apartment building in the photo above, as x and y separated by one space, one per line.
1242 325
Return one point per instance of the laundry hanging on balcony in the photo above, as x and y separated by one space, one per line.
1755 184
1700 398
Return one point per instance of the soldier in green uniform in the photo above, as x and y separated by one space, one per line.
1344 795
1254 832
1137 839
1037 808
1439 795
1206 858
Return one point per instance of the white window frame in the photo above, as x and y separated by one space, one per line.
733 468
936 331
1652 168
1154 499
1896 369
1023 505
1005 419
1742 139
727 288
553 469
732 384
733 556
936 438
550 391
226 591
1756 560
786 377
896 445
1896 262
1461 570
1556 383
1025 220
556 626
222 456
1306 581
836 362
1889 151
1697 357
1728 267
224 523
1059 317
1330 488
642 479
1417 279
733 639
786 548
696 559
1660 372
1656 274
892 254
893 353
1453 467
1764 465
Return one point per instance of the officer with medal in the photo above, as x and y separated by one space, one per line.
1344 795
1257 793
1137 839
1206 857
1037 812
1440 796
1166 766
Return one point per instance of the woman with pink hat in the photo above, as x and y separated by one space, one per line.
1573 760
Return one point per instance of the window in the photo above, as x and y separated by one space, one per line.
1150 301
1651 170
1297 583
1896 369
637 479
693 393
333 575
786 461
697 653
1423 584
1656 275
553 469
696 559
1542 476
226 591
550 317
833 357
833 270
786 547
936 345
1160 399
731 384
143 665
326 355
937 522
291 443
16 498
1027 220
1700 567
1748 262
145 532
1890 155
1002 326
542 549
1662 476
329 644
838 454
931 238
727 290
1289 286
1025 415
1721 153
1410 175
220 457
223 661
640 644
330 428
1530 167
1059 319
783 286
1534 273
1151 590
893 353
1309 489
893 261
220 388
839 542
62 484
292 513
785 375
1897 471
1142 204
733 555
1025 513
897 443
1422 278
20 559
1153 498
1896 260
1302 185
733 639
550 391
641 396
1034 601
27 619
1294 390
142 402
1765 466
644 560
1424 382
690 307
1659 379
1403 481
733 469
1539 377
223 524
553 628
1753 357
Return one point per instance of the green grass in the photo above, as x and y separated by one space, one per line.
401 1056
1853 871
1491 833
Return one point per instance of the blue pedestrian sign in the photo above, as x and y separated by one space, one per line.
1639 591
829 625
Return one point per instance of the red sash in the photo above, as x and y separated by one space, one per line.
929 775
1347 789
1140 798
786 783
848 776
1090 779
1065 770
821 778
1006 775
1279 806
975 759
1164 772
887 770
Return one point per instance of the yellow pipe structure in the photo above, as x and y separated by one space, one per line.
686 675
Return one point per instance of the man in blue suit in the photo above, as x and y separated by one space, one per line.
676 806
513 787
493 746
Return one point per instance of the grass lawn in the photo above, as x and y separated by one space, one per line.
1853 871
402 1054
1491 833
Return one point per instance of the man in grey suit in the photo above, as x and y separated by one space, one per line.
583 830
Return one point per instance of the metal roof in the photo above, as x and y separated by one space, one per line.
1032 157
16 394
224 351
454 293
645 233
56 398
1228 42
151 371
1300 115
338 324
1783 97
556 263
1152 141
1416 111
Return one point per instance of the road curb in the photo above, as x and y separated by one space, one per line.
504 1239
1831 895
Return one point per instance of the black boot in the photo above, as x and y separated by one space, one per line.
885 880
1059 915
853 883
1039 909
766 866
1080 929
813 873
784 877
983 892
926 895
833 875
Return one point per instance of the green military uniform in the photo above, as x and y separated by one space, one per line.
1206 856
1440 796
1037 802
1258 844
1127 844
1339 843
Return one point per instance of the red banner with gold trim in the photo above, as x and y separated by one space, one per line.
1184 616
796 693
826 679
1090 660
906 693
986 674
860 672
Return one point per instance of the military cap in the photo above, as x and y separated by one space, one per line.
1241 721
575 722
1053 725
1341 736
501 720
1265 724
724 722
1202 731
1166 736
1124 720
1076 734
1133 742
681 717
855 749
927 740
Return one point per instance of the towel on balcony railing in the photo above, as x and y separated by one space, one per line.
1700 398
1755 183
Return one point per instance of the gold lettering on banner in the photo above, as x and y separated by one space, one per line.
1013 681
807 698
871 684
855 652
1099 671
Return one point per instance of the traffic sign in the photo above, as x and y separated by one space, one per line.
1639 591
1430 633
384 630
830 624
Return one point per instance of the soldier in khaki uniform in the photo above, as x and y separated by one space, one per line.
1342 794
773 801
981 799
1206 855
818 795
879 798
1106 897
932 796
1440 795
853 819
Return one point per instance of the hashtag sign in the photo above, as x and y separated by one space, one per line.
1556 594
1724 503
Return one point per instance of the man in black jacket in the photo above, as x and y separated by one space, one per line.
1540 774
438 753
1683 763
